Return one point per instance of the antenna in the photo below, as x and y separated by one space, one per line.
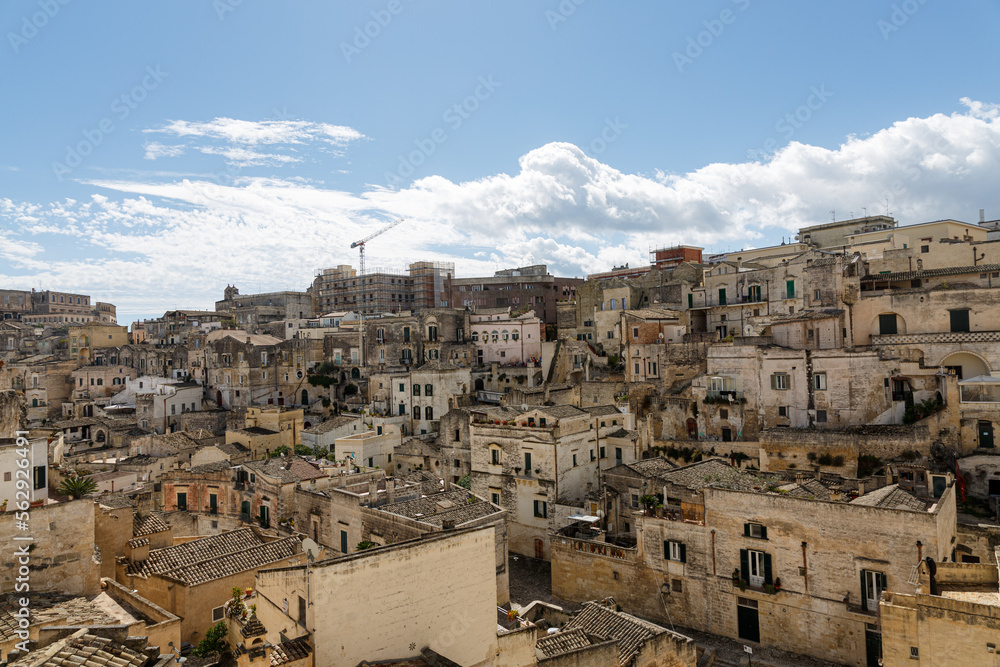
865 209
833 214
887 206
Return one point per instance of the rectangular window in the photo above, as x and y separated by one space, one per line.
925 248
816 295
755 567
821 416
527 464
495 457
755 530
635 332
782 411
887 324
541 509
722 296
416 390
872 585
819 381
789 289
182 501
959 320
574 460
428 390
781 381
634 500
39 474
495 497
218 614
690 300
602 453
674 551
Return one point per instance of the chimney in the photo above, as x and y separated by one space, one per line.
390 490
982 215
372 492
447 524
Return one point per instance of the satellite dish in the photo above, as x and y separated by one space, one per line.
311 548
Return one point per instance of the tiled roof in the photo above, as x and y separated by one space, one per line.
330 424
206 468
256 430
140 460
928 273
287 469
808 316
630 632
624 433
436 508
137 542
209 558
290 650
84 650
653 314
653 467
562 642
232 448
49 607
601 410
891 497
561 411
115 501
712 472
147 525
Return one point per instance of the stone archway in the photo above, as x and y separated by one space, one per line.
966 364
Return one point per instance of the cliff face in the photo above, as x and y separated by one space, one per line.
13 413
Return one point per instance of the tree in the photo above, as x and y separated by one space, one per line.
215 641
77 487
364 544
281 450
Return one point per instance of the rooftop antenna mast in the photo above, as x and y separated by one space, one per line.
360 245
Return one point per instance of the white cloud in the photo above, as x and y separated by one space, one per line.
177 243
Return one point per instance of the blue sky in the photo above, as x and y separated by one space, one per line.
154 152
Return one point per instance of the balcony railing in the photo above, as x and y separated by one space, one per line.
941 337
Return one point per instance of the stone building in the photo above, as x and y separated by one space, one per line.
762 562
504 338
525 287
252 311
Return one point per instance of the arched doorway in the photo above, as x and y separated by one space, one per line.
966 365
355 373
692 429
218 399
479 384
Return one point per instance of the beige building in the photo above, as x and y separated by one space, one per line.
450 608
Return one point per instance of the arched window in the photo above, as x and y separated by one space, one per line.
505 335
494 335
475 336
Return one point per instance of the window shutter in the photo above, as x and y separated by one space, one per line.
666 549
763 532
882 579
744 565
767 569
683 553
864 592
746 530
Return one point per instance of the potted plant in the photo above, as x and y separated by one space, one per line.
649 502
777 583
743 584
736 577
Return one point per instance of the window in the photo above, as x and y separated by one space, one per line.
816 295
527 464
872 585
755 567
618 456
416 390
182 500
723 413
821 416
635 332
634 500
428 390
38 475
675 585
218 614
574 460
592 457
959 320
428 413
925 248
914 653
541 509
781 381
782 411
495 497
722 296
755 530
674 551
495 456
602 453
887 324
819 381
789 289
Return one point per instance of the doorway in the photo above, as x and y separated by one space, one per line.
986 434
873 646
748 620
539 550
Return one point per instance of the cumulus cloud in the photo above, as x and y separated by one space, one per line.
180 241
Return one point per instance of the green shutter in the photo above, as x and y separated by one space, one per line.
864 593
666 549
768 578
882 579
745 564
746 530
763 532
683 553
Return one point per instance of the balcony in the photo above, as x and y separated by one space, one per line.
949 337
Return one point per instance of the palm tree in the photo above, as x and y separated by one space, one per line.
77 487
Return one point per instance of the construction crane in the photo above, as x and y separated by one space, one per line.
360 245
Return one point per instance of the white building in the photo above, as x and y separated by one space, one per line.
26 462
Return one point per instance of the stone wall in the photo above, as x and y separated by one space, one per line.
64 557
